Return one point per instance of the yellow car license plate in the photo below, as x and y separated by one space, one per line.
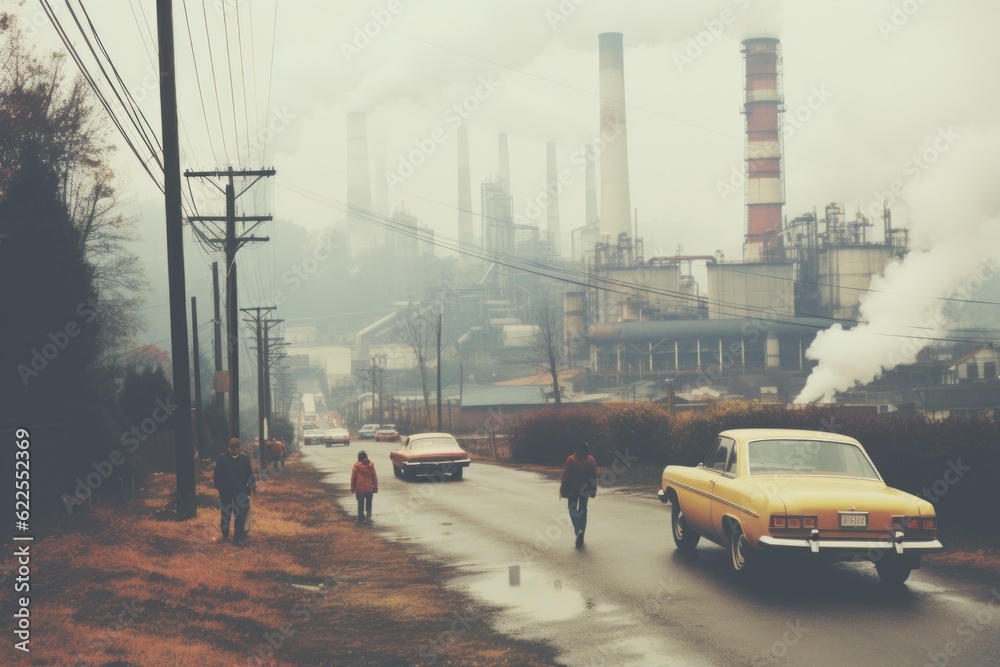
853 519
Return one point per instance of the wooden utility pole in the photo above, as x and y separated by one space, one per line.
268 362
373 390
175 261
198 421
439 425
220 396
230 242
257 321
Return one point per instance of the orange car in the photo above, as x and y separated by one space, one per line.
430 453
387 435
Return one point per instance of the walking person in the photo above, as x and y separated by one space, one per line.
579 485
235 481
278 452
364 484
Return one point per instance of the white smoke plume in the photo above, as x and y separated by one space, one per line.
955 227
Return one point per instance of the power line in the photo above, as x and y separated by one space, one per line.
197 76
270 76
243 79
232 86
215 83
64 37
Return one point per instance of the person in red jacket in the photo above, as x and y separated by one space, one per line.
579 485
364 483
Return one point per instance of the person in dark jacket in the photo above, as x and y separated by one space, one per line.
234 480
364 483
579 485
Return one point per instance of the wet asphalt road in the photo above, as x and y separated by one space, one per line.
628 598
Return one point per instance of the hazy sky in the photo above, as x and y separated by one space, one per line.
869 87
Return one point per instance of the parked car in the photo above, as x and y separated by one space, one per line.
387 435
336 436
314 437
427 453
367 432
764 491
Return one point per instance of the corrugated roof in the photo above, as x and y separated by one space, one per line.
542 379
474 397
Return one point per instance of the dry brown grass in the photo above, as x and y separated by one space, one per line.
985 560
133 587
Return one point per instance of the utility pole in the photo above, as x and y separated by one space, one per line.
439 425
267 368
220 396
258 321
198 421
381 410
175 261
373 390
230 242
269 344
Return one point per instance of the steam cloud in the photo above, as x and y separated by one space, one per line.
955 226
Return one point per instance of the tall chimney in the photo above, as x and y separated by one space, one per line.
616 208
552 186
590 180
359 193
504 179
465 234
765 186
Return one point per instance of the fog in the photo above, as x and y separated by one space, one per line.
870 90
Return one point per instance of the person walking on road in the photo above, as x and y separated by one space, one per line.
364 484
278 453
579 485
235 481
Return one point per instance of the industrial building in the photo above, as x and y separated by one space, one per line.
630 318
646 318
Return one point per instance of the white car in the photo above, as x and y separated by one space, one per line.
314 437
367 432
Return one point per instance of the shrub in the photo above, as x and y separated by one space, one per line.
549 436
949 462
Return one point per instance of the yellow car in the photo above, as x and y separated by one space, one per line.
792 491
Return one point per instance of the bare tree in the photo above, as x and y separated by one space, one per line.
46 114
547 351
418 330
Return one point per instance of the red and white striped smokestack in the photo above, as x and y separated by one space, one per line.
765 186
616 209
552 186
465 234
359 191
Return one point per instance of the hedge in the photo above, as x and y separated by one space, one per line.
951 462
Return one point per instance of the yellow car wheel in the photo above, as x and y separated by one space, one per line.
685 538
739 550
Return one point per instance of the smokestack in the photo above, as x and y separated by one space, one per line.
765 187
359 193
590 179
616 208
504 179
552 185
465 234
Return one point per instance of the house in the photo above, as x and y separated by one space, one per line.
978 366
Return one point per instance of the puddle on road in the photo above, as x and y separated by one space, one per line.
538 596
